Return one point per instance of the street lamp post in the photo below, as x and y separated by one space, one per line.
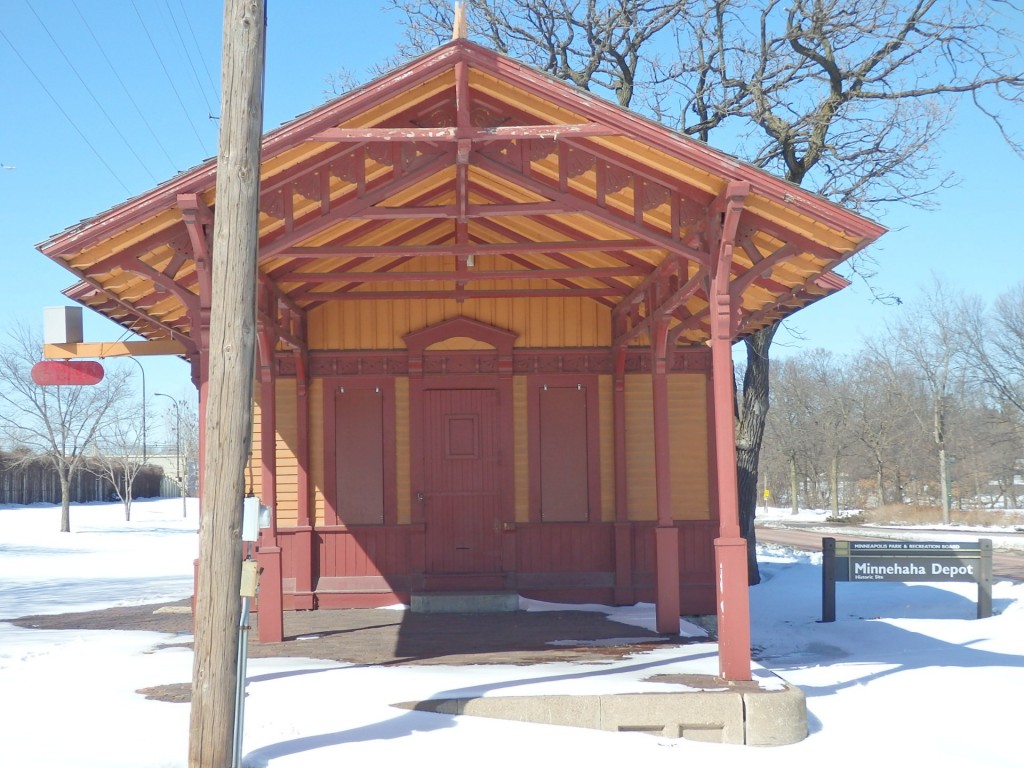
177 449
143 372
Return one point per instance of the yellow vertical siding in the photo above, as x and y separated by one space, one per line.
688 446
253 481
287 503
687 395
640 449
539 323
286 470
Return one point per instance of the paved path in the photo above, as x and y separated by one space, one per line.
1005 564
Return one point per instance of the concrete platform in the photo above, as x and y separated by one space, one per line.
464 602
741 713
693 705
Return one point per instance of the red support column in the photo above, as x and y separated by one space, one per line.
268 553
666 536
730 548
302 557
624 593
731 579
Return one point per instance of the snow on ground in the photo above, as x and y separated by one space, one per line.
905 673
1009 536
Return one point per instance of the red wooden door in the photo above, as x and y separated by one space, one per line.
462 481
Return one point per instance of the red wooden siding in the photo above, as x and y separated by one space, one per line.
368 565
359 455
377 565
358 446
564 471
462 482
565 547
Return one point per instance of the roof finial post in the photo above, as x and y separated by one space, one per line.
459 24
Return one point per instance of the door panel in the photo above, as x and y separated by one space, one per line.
462 480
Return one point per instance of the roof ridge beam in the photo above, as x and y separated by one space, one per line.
455 293
470 275
476 249
455 134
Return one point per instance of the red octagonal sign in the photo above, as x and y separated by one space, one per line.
65 373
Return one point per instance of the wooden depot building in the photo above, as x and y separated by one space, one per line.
495 317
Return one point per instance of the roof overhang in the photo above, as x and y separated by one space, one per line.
466 176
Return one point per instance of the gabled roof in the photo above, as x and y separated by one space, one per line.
466 175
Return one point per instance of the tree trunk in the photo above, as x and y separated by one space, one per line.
834 483
749 434
940 442
65 503
944 483
794 487
879 482
127 499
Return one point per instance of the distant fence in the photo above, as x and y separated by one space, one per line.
35 480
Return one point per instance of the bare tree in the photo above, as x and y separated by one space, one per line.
845 97
994 343
117 456
59 422
593 44
789 423
833 407
880 414
925 341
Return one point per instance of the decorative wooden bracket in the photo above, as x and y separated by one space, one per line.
725 219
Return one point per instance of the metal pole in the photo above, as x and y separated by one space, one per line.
177 449
143 372
243 658
248 589
177 461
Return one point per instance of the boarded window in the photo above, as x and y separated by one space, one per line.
564 472
359 456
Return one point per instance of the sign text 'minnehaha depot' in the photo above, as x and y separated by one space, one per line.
906 561
927 561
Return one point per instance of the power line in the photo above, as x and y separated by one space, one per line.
63 112
188 56
170 79
209 78
138 110
92 95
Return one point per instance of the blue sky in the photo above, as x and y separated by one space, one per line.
74 142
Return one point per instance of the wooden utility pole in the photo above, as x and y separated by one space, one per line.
229 391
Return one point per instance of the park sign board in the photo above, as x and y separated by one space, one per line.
906 561
921 561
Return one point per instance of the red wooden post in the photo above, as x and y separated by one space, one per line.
624 593
666 537
269 606
302 552
270 603
733 594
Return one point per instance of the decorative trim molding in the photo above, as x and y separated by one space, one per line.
398 363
